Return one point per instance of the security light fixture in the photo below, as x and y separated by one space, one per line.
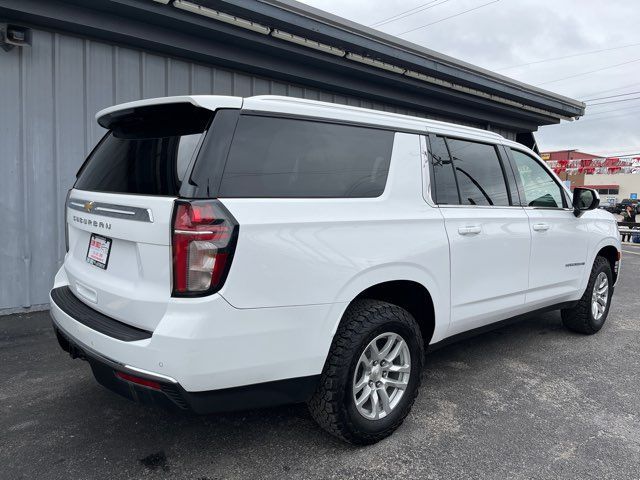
14 36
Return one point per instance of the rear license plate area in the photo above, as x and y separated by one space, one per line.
99 251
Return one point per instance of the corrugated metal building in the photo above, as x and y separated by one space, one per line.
86 55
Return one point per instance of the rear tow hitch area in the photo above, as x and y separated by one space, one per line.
71 349
75 352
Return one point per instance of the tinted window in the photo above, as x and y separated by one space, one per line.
479 173
186 148
147 151
444 182
276 157
538 186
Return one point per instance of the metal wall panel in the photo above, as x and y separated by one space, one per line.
49 96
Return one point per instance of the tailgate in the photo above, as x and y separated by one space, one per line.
132 281
119 213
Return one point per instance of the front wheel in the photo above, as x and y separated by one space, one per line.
372 374
589 315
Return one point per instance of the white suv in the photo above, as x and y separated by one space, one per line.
229 253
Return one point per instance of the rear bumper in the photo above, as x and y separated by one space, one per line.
173 396
205 352
64 299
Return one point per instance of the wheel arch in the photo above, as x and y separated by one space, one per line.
611 253
410 295
383 282
608 248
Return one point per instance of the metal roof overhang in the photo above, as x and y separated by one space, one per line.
164 28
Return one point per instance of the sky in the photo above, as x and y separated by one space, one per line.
502 35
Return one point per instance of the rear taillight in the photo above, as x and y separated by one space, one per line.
204 239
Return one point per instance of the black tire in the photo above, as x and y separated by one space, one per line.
332 404
580 318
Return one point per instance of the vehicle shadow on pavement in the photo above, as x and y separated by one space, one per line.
60 423
284 426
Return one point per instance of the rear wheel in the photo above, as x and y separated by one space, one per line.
589 315
372 374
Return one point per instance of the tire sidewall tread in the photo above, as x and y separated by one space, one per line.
579 318
331 405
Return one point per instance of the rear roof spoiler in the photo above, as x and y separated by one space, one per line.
106 116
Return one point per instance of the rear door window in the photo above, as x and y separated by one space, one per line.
282 157
479 173
444 181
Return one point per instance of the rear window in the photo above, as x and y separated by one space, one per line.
278 157
147 151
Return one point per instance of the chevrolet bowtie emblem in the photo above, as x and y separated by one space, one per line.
88 206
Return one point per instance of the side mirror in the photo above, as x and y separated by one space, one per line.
584 199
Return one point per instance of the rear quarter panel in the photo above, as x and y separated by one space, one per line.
327 251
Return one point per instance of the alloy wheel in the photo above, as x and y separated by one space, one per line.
600 296
381 376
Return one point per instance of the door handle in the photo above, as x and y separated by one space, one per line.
541 227
470 230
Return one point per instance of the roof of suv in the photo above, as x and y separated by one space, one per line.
309 108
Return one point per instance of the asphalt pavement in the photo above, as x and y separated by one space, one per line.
530 400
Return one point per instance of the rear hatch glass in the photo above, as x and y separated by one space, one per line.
147 151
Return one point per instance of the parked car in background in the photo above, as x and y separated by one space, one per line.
229 253
608 208
621 206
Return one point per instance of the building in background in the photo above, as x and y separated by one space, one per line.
615 178
63 60
559 158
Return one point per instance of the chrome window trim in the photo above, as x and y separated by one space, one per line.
483 206
550 208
